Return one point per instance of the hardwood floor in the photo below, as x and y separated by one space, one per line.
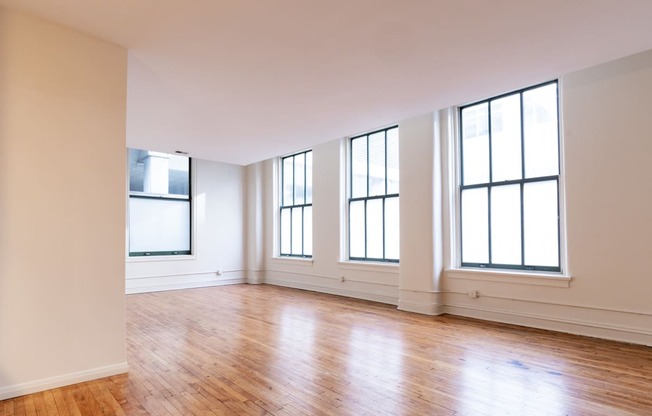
254 350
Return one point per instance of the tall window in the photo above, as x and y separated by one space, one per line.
159 204
509 188
296 205
373 201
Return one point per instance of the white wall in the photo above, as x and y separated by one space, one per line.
324 273
62 196
219 236
607 153
606 287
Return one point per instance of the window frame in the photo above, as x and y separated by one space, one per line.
367 198
293 206
558 179
165 197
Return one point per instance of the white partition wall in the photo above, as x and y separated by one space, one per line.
62 197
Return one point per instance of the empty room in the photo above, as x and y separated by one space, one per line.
291 207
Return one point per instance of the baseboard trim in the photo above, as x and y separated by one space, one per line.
424 309
60 381
572 326
185 285
423 302
375 297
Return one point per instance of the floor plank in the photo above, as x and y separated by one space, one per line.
265 350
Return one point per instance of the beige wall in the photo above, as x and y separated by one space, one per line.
62 198
607 153
218 238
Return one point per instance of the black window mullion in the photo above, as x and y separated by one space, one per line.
489 223
522 137
294 185
385 163
383 218
522 187
491 176
365 229
523 178
368 176
558 226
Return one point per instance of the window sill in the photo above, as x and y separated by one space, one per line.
146 259
370 266
505 276
295 261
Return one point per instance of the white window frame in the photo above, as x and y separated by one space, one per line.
448 125
280 207
129 257
349 199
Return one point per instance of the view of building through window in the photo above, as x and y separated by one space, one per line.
296 205
510 181
159 204
374 199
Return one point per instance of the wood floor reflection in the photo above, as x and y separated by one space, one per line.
254 350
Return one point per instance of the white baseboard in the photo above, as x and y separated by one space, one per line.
30 387
604 330
255 277
348 292
154 287
425 303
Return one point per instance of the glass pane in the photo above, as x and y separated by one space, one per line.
392 230
392 161
179 178
475 231
375 229
299 178
540 130
359 167
377 164
136 169
506 138
158 173
159 225
475 144
285 231
541 225
288 181
297 231
356 229
307 231
309 178
506 224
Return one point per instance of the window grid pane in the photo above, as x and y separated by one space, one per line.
373 204
295 222
359 167
509 181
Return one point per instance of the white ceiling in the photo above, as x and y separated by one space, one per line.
244 80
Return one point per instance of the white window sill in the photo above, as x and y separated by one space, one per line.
508 276
370 266
295 261
146 259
